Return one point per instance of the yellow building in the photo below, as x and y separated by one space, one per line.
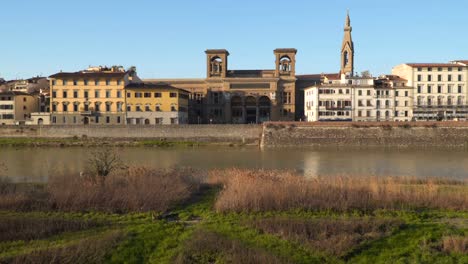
16 107
92 96
156 104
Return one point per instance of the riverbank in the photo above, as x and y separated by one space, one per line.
197 220
268 135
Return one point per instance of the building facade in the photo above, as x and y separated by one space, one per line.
241 96
156 104
93 96
16 107
440 89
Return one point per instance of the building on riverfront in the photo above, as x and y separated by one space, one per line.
16 107
241 96
440 89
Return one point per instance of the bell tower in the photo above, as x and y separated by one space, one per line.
285 62
347 49
216 63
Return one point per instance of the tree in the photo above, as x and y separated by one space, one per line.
103 162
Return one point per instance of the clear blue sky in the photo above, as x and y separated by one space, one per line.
166 39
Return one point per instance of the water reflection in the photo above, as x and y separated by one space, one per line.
37 164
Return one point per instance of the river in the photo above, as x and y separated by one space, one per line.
37 164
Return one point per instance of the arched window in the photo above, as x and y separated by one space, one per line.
345 58
216 66
285 64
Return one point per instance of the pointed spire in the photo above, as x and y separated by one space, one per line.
348 20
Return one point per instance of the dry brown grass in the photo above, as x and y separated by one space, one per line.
35 228
455 244
334 236
135 189
209 247
261 190
22 197
86 251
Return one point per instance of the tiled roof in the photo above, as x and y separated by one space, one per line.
89 74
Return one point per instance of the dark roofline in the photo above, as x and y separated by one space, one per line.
151 85
217 51
88 74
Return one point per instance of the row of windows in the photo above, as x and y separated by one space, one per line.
156 95
440 101
439 78
85 82
440 89
81 120
75 107
7 116
157 108
440 68
97 94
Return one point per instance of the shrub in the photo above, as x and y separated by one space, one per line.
455 244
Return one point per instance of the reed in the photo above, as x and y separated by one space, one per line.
262 190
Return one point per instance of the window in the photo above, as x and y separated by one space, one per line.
147 95
158 108
85 82
96 93
86 94
419 77
429 69
129 95
108 107
54 108
54 94
359 113
119 82
119 106
368 113
159 121
419 88
96 82
459 69
65 94
396 113
119 94
449 69
460 77
429 78
64 82
107 119
429 89
396 103
406 93
118 120
157 95
54 119
75 107
173 120
75 94
173 108
449 88
147 108
459 89
97 107
74 120
107 82
97 119
406 113
449 77
65 107
138 95
129 108
368 92
53 82
419 69
439 69
406 103
396 93
359 92
439 77
439 88
175 95
138 108
108 93
75 82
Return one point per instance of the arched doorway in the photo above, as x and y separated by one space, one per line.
40 121
251 110
147 122
237 110
86 120
264 108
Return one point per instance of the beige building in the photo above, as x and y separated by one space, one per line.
16 107
93 96
156 104
440 89
241 96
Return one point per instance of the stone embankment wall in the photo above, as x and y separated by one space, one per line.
199 133
439 134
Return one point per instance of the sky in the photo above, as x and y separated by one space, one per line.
167 39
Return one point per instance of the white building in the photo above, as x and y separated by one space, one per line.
440 89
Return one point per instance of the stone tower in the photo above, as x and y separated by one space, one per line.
216 63
347 49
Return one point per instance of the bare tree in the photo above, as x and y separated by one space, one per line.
103 162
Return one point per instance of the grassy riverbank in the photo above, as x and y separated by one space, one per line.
234 216
114 142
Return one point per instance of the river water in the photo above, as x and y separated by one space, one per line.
37 164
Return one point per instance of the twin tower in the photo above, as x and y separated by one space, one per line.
217 59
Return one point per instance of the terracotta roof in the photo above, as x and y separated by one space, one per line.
332 76
87 74
152 85
431 64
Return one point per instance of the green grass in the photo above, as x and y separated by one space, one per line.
148 239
